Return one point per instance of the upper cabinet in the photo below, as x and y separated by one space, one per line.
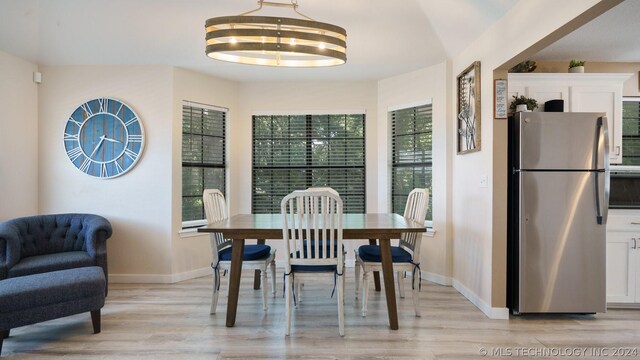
581 93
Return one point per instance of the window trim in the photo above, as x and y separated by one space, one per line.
635 99
190 224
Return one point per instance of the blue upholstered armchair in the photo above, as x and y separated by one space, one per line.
43 243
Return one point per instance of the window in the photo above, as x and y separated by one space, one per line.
631 131
294 152
203 157
411 158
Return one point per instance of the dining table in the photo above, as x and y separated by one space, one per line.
380 228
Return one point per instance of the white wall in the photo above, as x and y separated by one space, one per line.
480 249
287 97
138 203
18 138
191 252
428 84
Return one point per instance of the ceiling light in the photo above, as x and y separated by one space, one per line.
275 41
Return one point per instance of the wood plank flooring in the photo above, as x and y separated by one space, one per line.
157 321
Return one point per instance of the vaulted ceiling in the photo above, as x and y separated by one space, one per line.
385 37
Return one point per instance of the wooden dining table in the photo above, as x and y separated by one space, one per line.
380 227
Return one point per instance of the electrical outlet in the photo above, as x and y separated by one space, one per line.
484 181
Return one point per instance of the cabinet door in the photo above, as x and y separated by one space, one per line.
544 93
607 99
621 267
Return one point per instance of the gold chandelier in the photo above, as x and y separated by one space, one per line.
275 41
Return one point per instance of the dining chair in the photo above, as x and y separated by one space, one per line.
312 232
255 257
405 256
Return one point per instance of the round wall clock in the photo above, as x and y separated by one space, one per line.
104 138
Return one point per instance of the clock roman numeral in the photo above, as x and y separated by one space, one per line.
104 104
77 123
85 165
134 138
119 168
131 121
74 153
120 108
132 155
87 109
70 136
103 170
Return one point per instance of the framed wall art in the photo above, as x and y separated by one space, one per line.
468 110
500 99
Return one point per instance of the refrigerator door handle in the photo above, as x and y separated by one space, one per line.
602 209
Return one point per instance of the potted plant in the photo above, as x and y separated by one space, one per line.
524 67
522 100
576 66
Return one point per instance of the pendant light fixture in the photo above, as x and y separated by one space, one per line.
275 41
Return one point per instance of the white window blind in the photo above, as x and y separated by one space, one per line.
203 156
294 152
411 160
631 131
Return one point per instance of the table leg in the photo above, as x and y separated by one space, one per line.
389 287
376 274
256 275
237 249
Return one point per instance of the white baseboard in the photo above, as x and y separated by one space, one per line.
490 312
436 278
159 278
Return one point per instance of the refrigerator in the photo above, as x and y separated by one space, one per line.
558 194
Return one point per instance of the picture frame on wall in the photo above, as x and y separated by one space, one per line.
500 97
468 109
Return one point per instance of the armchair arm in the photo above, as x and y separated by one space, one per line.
10 247
96 230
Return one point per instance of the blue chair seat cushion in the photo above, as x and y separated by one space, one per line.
251 252
51 262
371 253
313 268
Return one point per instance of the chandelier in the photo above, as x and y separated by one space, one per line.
275 41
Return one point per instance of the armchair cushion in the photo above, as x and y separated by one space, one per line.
45 263
251 252
371 253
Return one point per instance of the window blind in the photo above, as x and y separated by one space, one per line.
631 131
294 152
411 160
203 156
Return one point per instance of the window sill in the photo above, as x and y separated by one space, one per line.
190 232
430 232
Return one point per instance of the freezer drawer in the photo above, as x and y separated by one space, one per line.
561 245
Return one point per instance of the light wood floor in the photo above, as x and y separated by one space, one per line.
173 322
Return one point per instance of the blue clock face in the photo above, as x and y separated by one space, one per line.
104 138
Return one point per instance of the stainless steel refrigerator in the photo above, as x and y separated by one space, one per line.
558 201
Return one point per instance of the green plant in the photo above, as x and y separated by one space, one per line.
517 100
524 67
574 63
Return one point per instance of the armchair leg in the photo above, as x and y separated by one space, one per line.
95 320
400 275
365 291
416 295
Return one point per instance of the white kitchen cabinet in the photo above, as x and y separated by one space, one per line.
623 257
581 93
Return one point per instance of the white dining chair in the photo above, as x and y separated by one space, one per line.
405 256
312 232
255 257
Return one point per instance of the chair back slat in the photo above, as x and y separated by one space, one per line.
416 210
215 209
312 227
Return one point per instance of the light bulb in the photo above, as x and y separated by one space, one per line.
321 46
292 41
233 40
264 39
